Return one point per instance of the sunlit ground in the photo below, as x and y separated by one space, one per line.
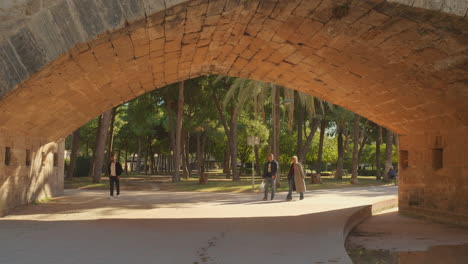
217 182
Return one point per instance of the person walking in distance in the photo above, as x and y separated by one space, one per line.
296 179
114 171
269 176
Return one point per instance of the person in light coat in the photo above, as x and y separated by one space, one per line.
296 179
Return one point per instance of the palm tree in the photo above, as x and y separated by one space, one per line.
307 108
342 118
323 126
238 91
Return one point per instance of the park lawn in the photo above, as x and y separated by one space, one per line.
245 185
216 183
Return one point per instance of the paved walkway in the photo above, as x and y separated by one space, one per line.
163 227
393 232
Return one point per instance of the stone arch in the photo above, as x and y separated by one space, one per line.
400 66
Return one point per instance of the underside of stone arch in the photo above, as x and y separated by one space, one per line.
403 67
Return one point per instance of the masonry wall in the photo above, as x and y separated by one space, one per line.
435 183
22 183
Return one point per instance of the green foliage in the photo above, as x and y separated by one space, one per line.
148 117
82 166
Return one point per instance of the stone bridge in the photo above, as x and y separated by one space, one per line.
402 64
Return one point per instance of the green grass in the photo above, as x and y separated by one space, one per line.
217 182
40 201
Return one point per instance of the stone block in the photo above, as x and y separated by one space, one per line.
12 71
89 17
28 50
154 6
134 10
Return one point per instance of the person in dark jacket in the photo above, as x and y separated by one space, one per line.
114 171
269 176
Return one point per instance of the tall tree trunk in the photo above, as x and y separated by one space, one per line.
185 158
110 137
177 152
276 128
362 138
92 162
199 158
201 144
313 129
339 164
388 154
228 134
233 146
323 126
227 162
257 160
138 165
356 128
101 145
262 104
187 155
145 162
74 152
363 143
132 165
126 159
397 145
378 142
300 121
151 155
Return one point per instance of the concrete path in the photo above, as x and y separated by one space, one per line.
163 227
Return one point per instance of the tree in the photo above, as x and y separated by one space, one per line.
100 145
323 126
342 118
74 152
238 91
110 136
276 123
388 154
354 178
177 152
377 152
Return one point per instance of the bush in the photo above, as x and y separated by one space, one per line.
368 172
82 166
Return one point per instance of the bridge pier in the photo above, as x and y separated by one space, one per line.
433 175
31 169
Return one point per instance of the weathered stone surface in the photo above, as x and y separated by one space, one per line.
133 9
28 50
111 12
66 24
48 35
89 17
22 184
12 70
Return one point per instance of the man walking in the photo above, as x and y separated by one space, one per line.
269 176
114 170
